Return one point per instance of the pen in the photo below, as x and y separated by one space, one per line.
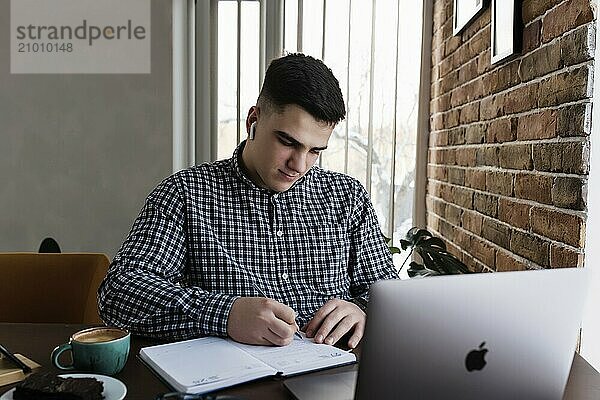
297 334
14 359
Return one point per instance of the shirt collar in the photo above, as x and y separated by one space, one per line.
235 162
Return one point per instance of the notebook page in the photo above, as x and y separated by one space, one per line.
299 356
204 364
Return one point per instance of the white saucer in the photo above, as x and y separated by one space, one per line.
114 389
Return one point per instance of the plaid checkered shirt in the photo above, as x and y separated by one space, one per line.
208 235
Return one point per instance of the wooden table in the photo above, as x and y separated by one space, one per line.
36 341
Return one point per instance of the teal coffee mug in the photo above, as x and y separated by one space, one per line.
101 350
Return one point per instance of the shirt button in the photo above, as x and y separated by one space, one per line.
280 233
285 276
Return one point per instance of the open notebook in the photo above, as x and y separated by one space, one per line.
210 363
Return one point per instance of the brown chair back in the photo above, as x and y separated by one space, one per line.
51 288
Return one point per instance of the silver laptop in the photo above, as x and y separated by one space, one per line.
508 335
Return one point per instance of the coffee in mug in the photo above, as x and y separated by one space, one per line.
102 350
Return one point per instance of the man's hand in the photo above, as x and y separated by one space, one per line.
259 320
334 320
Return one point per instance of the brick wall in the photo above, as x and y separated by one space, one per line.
509 144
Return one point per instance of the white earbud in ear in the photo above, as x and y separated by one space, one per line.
252 131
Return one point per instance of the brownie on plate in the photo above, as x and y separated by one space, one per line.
50 387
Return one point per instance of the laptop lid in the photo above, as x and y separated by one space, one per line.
505 335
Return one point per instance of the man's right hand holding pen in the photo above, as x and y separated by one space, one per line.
260 320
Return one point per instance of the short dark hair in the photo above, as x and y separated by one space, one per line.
306 82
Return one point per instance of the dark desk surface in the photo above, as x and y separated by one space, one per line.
36 341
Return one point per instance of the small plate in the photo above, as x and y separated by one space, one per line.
114 389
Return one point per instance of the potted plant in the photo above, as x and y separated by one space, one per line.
436 260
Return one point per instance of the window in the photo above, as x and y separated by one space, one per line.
374 49
238 70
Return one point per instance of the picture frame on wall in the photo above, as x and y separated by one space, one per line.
506 30
464 12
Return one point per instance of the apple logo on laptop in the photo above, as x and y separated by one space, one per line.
476 358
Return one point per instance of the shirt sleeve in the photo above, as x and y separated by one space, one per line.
370 259
145 291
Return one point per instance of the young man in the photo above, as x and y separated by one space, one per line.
263 243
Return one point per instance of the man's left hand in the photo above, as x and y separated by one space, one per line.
334 319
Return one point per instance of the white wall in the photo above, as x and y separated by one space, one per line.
79 153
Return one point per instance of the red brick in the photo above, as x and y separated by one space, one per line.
432 222
451 118
540 62
435 73
505 262
479 43
475 133
445 67
436 206
436 122
483 62
463 239
516 156
475 179
534 187
446 229
466 157
472 221
487 156
483 251
531 247
438 138
514 213
446 192
456 136
564 257
453 214
486 204
492 107
499 183
556 225
567 157
521 99
456 176
473 264
459 96
468 71
436 172
439 14
569 192
449 82
541 125
574 120
451 45
568 15
450 156
469 113
566 87
462 197
532 9
504 77
531 36
442 103
436 90
501 130
496 232
475 89
578 46
434 188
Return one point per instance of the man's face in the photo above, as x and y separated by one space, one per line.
286 145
